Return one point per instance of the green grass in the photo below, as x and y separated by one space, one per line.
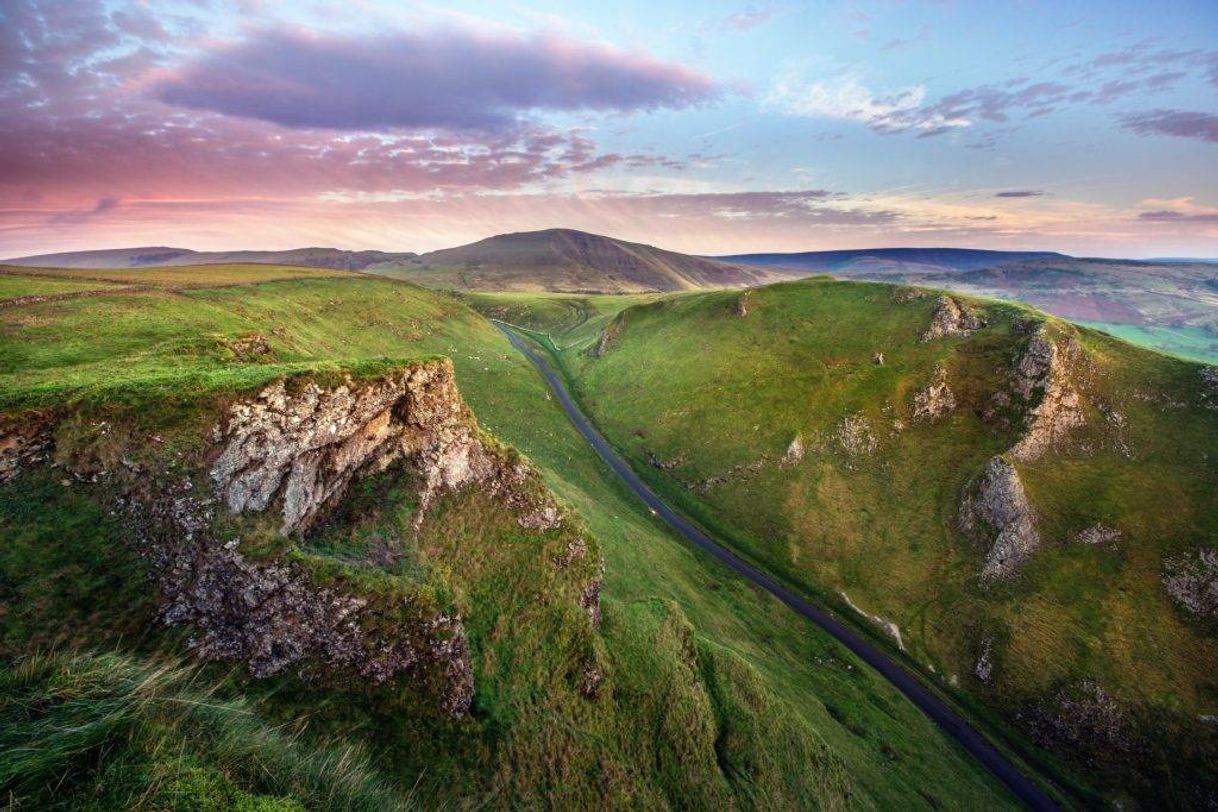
1196 343
13 286
184 275
718 398
114 732
714 694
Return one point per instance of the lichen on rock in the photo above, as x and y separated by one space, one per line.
996 512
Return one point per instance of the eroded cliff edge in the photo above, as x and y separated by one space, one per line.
219 502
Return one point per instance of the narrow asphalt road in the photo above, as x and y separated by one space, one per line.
939 712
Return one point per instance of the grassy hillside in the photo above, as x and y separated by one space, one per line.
159 256
785 432
1167 305
564 260
713 695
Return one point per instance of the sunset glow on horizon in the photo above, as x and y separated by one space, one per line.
1089 128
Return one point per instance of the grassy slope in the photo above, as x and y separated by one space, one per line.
1196 343
174 277
697 386
769 688
13 286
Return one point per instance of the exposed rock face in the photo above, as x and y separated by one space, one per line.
607 337
293 450
302 451
903 295
1041 371
936 399
951 319
1098 534
250 347
273 615
795 451
996 512
1209 387
855 437
24 442
1192 581
984 669
1084 717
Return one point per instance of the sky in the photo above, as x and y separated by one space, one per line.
707 127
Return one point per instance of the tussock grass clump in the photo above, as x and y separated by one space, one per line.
111 731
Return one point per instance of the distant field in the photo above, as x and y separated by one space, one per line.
13 286
179 276
1187 342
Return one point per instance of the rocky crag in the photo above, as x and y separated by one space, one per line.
1040 384
951 318
996 512
292 451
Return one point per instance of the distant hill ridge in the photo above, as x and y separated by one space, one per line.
924 260
566 260
157 256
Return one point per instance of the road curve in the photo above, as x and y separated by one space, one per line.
939 712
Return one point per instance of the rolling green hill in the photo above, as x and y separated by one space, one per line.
693 689
1023 506
1170 305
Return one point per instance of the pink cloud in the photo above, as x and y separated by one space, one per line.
446 79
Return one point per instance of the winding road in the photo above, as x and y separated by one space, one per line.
935 708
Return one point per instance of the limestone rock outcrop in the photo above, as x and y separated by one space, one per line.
1097 534
302 450
292 451
855 436
951 319
607 337
1041 377
795 451
996 512
936 400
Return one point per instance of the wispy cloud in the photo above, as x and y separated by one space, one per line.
846 98
746 19
77 216
1021 193
1178 123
